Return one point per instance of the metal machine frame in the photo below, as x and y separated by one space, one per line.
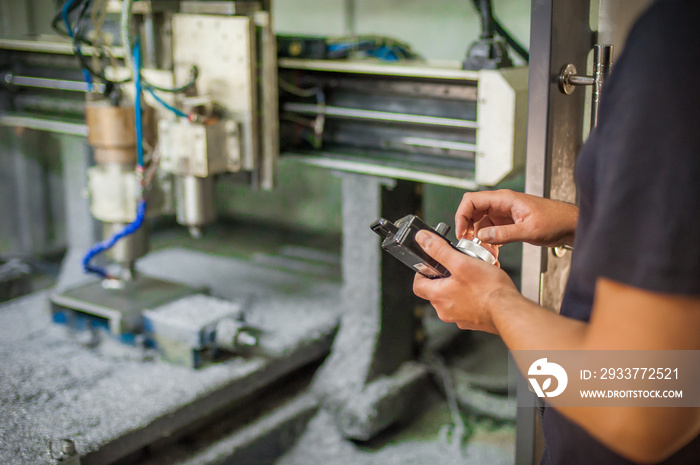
431 124
555 135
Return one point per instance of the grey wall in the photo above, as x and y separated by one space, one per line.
18 17
32 213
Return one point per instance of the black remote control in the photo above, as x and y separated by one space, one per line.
400 241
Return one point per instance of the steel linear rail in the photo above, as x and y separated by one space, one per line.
355 113
43 124
48 83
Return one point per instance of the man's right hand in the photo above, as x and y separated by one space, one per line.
504 216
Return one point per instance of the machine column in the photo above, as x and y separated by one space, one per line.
370 379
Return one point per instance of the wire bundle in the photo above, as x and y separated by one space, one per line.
74 29
383 48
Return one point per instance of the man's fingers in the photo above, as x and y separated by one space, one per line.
463 226
465 218
425 288
421 286
439 249
470 210
502 234
475 205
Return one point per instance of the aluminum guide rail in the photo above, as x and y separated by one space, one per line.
385 116
13 80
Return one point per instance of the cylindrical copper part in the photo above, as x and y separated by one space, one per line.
120 156
110 126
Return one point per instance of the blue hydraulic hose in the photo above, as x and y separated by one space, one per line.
141 206
69 30
137 104
166 104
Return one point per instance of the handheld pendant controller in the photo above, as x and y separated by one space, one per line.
400 241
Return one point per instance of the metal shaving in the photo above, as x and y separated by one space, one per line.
53 385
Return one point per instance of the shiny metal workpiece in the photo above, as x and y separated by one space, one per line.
474 249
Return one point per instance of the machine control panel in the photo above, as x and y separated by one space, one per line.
399 239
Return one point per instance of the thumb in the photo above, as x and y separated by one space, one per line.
501 234
439 249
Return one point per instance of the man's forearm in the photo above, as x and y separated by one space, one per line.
568 216
524 325
642 434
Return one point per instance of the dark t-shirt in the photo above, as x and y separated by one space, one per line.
639 188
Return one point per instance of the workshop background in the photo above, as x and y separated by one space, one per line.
301 219
307 197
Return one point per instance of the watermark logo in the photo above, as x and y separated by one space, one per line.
607 378
541 368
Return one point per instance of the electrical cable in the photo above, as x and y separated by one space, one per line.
64 15
97 29
81 15
98 14
77 39
84 62
87 75
502 31
318 124
150 172
100 51
125 34
194 74
382 48
514 44
298 91
68 7
166 104
58 17
486 11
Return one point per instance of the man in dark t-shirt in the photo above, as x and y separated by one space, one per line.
635 273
